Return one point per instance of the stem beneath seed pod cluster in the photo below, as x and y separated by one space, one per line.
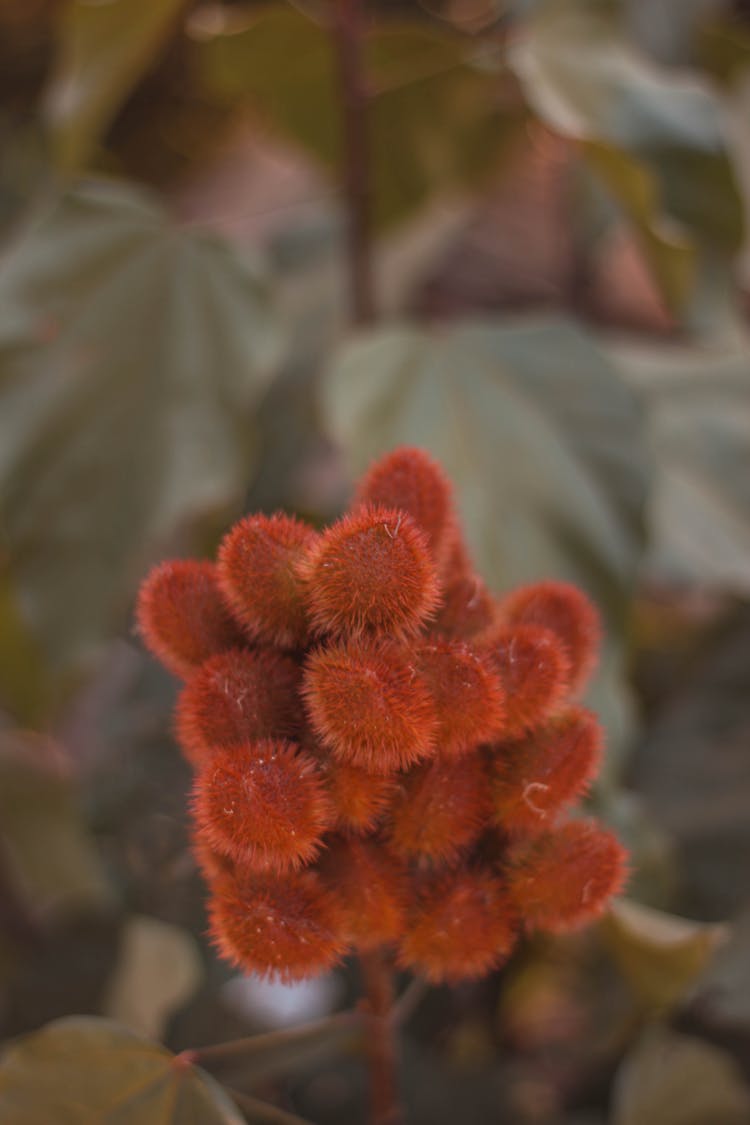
377 978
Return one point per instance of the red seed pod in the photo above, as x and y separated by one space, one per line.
212 865
469 697
257 567
263 804
466 606
538 776
286 927
369 705
441 809
534 671
359 798
370 573
461 926
410 480
567 612
182 617
370 888
563 879
239 696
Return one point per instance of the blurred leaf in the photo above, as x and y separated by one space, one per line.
158 970
540 436
660 135
693 771
661 954
437 120
42 831
698 408
721 996
24 686
674 1080
85 1069
132 357
104 49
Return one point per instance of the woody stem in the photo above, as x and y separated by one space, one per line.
377 977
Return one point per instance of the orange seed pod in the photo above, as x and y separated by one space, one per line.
370 888
469 697
533 670
257 567
182 617
442 808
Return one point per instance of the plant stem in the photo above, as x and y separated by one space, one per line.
349 32
377 977
267 1043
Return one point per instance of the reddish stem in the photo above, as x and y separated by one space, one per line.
377 977
349 35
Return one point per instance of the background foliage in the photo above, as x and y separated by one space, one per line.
559 193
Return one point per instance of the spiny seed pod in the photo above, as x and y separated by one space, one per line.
469 697
286 927
441 809
239 696
409 479
567 612
263 804
466 606
563 879
461 927
359 798
370 573
370 888
182 617
369 705
212 865
538 776
257 567
534 671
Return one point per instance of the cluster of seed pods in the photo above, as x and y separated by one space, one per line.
384 753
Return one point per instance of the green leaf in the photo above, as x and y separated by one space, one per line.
435 121
132 357
49 850
540 436
674 1080
661 954
104 49
80 1070
698 410
659 135
158 970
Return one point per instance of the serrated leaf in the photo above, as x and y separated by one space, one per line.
670 1079
52 858
132 356
661 954
698 410
158 969
584 77
80 1070
435 122
540 436
104 48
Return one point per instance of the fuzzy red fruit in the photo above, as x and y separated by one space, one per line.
370 888
461 927
468 694
359 798
534 671
441 809
568 613
257 567
286 927
212 865
538 776
370 573
263 804
409 479
369 705
466 606
182 617
239 696
565 878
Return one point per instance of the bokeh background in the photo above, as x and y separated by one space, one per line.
552 201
